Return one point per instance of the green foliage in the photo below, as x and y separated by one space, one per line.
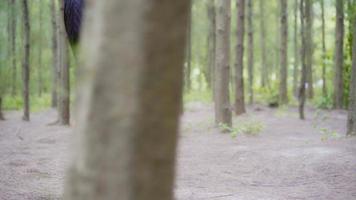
323 102
329 134
36 104
269 95
252 128
198 96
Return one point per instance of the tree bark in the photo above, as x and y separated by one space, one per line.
26 61
1 113
239 88
250 59
310 46
64 81
13 48
339 53
39 68
296 50
55 53
351 121
129 98
323 76
264 66
283 87
211 42
303 58
222 65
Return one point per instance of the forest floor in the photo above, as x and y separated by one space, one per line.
288 159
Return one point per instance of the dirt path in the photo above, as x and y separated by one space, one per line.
289 159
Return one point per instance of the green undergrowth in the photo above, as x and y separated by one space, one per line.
37 103
197 96
248 127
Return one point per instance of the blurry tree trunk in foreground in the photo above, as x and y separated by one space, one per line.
26 61
323 75
351 122
303 57
338 55
239 88
129 98
222 65
13 47
250 60
211 41
264 67
310 46
64 84
296 50
55 53
283 88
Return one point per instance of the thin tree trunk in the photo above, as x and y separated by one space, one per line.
26 62
222 65
1 113
239 88
64 84
39 69
303 58
264 66
323 76
211 41
339 53
55 53
310 46
127 139
296 50
283 87
13 48
250 51
277 45
351 121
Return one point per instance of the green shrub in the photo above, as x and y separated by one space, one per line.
323 102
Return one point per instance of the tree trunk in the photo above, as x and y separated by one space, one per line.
283 87
1 113
211 42
303 58
239 88
264 66
310 46
339 53
129 100
296 50
64 84
222 65
13 48
323 76
26 62
39 68
250 51
55 53
351 122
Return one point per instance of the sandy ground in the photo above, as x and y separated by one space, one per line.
289 159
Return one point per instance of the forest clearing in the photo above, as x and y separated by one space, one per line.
288 159
178 100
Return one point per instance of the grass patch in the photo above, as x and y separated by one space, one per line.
36 103
327 134
198 96
252 128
